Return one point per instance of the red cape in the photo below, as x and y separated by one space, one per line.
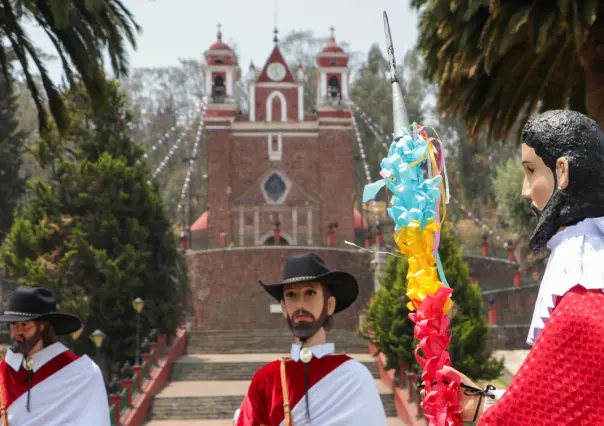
561 381
263 404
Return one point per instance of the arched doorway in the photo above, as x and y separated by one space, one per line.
270 241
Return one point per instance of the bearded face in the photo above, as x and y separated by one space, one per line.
307 308
563 160
25 336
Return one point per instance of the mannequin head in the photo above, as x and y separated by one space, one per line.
29 337
308 308
563 161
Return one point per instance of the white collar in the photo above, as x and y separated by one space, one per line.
40 358
318 351
577 258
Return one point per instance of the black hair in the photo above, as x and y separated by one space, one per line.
570 134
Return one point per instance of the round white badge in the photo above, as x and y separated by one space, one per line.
305 355
28 363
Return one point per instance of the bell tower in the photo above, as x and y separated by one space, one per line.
220 74
332 74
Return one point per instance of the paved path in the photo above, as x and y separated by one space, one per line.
268 357
391 422
188 388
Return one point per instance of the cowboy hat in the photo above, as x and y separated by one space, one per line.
309 267
37 303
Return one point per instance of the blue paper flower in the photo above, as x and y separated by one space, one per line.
415 198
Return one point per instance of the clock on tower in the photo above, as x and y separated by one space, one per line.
276 71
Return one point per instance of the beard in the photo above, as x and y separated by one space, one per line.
549 220
26 345
304 330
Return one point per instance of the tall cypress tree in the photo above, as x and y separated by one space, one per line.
388 323
12 184
97 232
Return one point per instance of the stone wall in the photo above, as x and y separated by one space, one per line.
227 295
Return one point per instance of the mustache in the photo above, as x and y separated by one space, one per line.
302 313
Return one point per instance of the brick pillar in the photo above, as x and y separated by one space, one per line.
492 315
511 255
184 241
138 370
219 182
154 350
147 358
337 185
127 384
116 402
277 235
223 239
367 241
331 238
162 339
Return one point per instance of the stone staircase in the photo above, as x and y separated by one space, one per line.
208 384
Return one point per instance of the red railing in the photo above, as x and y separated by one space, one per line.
131 405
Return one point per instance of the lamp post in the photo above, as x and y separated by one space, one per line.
98 337
75 336
138 307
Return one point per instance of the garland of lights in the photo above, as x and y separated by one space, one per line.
172 151
159 143
366 167
193 158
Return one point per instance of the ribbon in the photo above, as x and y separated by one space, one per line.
415 210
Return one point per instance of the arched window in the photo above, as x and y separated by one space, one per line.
219 89
333 89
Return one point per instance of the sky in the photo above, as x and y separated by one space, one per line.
173 29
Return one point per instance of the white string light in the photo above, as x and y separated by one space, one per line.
172 151
381 136
375 129
159 143
192 160
366 167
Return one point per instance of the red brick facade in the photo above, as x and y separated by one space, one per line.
275 164
227 295
305 161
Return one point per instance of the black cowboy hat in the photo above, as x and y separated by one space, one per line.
37 303
309 267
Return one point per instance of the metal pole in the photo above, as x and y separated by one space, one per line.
138 338
190 213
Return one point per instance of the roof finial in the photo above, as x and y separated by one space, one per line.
219 34
275 38
332 29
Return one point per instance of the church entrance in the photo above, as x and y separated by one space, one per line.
270 241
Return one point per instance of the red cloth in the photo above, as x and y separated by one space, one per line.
561 381
14 383
263 404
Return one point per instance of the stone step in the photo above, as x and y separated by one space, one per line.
203 388
217 367
217 407
262 341
392 421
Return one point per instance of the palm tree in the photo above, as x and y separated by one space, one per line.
80 31
498 62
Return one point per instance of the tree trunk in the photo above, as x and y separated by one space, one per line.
591 55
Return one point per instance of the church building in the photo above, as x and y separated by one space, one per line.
278 174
